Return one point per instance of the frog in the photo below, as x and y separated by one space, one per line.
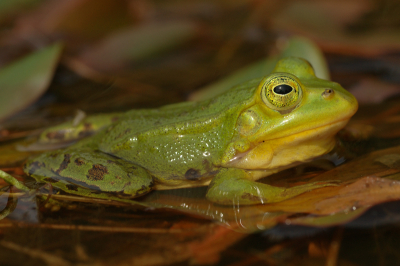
226 143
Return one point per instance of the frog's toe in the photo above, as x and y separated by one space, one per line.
135 190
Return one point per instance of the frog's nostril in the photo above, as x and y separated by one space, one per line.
328 94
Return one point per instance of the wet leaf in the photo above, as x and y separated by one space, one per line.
22 82
365 192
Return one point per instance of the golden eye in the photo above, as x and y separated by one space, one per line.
281 92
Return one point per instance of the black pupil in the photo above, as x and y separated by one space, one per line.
283 89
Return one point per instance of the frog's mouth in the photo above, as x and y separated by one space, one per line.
280 153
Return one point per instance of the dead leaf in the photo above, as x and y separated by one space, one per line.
365 192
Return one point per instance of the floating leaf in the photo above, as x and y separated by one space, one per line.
365 192
24 81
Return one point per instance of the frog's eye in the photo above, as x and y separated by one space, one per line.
281 92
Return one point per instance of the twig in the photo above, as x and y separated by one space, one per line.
97 228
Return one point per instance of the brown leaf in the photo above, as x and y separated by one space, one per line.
365 192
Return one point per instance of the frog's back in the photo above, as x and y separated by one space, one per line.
187 114
179 141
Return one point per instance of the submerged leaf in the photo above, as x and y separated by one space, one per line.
24 81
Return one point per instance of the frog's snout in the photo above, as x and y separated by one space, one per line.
347 102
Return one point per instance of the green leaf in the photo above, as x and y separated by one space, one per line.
23 81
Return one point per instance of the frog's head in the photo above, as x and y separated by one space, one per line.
295 117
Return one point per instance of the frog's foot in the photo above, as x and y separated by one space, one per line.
77 169
232 186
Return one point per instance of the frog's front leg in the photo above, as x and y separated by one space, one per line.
75 168
232 186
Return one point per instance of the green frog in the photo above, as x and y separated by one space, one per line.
226 143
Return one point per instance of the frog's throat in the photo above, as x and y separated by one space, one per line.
281 153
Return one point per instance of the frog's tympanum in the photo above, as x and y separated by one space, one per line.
251 131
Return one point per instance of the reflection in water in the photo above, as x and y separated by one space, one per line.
12 201
236 217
